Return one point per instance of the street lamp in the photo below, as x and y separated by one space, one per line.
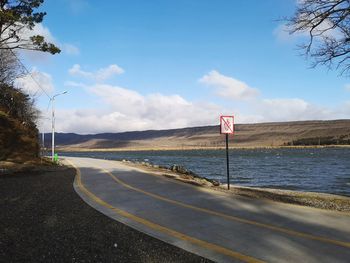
53 123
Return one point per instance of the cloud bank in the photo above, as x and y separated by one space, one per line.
30 83
125 109
40 29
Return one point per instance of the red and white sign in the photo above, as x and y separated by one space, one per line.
226 124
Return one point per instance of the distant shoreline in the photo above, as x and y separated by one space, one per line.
68 149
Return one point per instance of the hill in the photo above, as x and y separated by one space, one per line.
334 132
18 142
18 132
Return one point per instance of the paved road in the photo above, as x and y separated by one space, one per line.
212 224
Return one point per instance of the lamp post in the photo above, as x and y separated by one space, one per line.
53 124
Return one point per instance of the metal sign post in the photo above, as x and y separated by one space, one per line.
227 163
227 127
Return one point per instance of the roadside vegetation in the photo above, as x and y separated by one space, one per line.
321 141
18 115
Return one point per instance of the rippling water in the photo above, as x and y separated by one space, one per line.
318 170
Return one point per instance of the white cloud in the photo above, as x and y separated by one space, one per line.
30 83
228 87
282 32
120 99
347 87
40 29
286 109
70 49
123 109
127 110
70 83
265 110
76 71
106 73
100 75
344 110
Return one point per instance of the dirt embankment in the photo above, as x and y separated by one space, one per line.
18 142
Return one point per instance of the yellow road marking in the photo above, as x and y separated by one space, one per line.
160 228
179 182
232 218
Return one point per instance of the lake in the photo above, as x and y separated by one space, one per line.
324 170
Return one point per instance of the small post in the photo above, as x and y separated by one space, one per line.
53 129
56 158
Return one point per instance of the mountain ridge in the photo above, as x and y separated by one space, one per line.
315 132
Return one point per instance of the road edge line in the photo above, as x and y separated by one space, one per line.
165 230
233 218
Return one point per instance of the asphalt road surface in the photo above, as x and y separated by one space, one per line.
215 225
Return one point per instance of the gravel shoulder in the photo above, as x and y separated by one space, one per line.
43 220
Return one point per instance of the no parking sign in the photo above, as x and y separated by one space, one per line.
226 124
227 127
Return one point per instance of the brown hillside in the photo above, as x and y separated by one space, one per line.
17 142
335 132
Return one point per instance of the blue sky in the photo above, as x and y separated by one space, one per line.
137 65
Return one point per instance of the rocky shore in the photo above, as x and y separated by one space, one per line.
310 199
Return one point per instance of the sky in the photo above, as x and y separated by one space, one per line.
158 64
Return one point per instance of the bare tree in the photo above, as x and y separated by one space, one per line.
327 23
10 68
18 105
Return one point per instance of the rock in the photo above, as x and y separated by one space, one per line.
215 183
212 181
192 173
178 168
182 170
173 167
